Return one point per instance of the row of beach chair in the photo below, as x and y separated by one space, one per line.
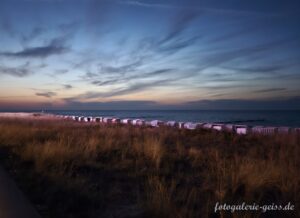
238 129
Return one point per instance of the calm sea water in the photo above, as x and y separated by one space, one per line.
265 118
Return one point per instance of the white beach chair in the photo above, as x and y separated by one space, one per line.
190 125
180 125
135 121
126 121
207 126
156 123
116 120
140 122
107 120
171 123
218 127
241 129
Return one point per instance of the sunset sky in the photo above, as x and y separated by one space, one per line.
149 54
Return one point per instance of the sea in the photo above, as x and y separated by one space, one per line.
289 118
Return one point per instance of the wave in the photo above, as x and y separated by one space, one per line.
246 121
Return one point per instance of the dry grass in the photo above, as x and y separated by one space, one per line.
76 170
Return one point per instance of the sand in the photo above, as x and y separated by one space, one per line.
13 203
22 115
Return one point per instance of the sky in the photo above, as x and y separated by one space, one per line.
149 54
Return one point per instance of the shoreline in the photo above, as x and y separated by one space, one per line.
28 116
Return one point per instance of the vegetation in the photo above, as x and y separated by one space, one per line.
70 169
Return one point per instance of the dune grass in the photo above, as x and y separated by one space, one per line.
71 169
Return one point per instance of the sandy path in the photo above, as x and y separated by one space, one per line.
13 204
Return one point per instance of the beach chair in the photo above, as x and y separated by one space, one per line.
199 125
116 120
229 127
107 120
207 126
269 130
140 122
81 119
180 125
97 119
283 130
88 119
171 123
218 127
135 121
257 129
126 121
241 129
156 123
190 125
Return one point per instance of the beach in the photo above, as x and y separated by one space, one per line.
27 115
74 169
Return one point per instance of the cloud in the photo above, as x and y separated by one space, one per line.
149 5
46 94
257 69
111 105
121 69
292 103
154 73
55 47
135 88
192 5
67 86
21 71
42 65
174 38
60 72
221 57
178 45
130 78
270 90
36 52
178 25
106 82
131 88
56 73
144 53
